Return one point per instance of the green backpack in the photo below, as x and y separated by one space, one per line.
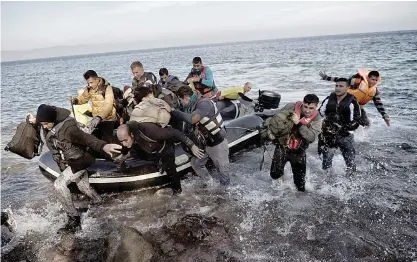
278 127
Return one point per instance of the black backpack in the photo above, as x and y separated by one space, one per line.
27 141
118 100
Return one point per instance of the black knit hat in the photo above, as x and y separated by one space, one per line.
46 113
140 93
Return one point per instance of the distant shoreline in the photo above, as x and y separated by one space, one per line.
57 57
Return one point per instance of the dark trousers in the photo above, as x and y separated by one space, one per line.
297 159
4 217
345 144
167 158
364 120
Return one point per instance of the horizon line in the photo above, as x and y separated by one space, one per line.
178 46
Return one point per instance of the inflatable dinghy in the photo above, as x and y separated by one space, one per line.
109 176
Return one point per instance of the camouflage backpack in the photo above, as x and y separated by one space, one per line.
278 127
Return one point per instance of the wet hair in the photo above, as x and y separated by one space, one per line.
311 99
184 91
342 79
373 73
90 73
197 60
140 93
163 71
136 64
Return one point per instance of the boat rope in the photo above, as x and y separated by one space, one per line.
243 128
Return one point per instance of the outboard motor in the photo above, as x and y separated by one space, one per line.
267 100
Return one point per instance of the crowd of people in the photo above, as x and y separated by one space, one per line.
151 115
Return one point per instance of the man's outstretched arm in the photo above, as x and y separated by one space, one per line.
328 78
380 107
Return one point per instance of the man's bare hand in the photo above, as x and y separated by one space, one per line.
295 118
199 153
32 118
112 148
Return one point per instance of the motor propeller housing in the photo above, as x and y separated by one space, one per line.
267 100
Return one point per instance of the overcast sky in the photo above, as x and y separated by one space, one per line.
118 26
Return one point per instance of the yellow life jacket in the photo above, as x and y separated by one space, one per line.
153 110
98 102
232 93
364 93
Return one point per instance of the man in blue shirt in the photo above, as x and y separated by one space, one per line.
201 78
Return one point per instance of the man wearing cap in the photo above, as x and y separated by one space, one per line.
68 145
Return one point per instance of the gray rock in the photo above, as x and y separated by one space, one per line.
195 237
164 192
67 242
193 228
55 255
130 247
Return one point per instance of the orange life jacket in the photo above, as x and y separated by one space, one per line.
294 142
363 93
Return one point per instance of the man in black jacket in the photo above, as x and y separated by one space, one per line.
337 124
68 145
158 142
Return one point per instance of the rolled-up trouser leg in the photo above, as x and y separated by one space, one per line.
278 162
168 165
298 166
84 186
64 194
219 154
364 120
199 166
348 152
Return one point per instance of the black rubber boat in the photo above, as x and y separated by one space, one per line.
108 176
